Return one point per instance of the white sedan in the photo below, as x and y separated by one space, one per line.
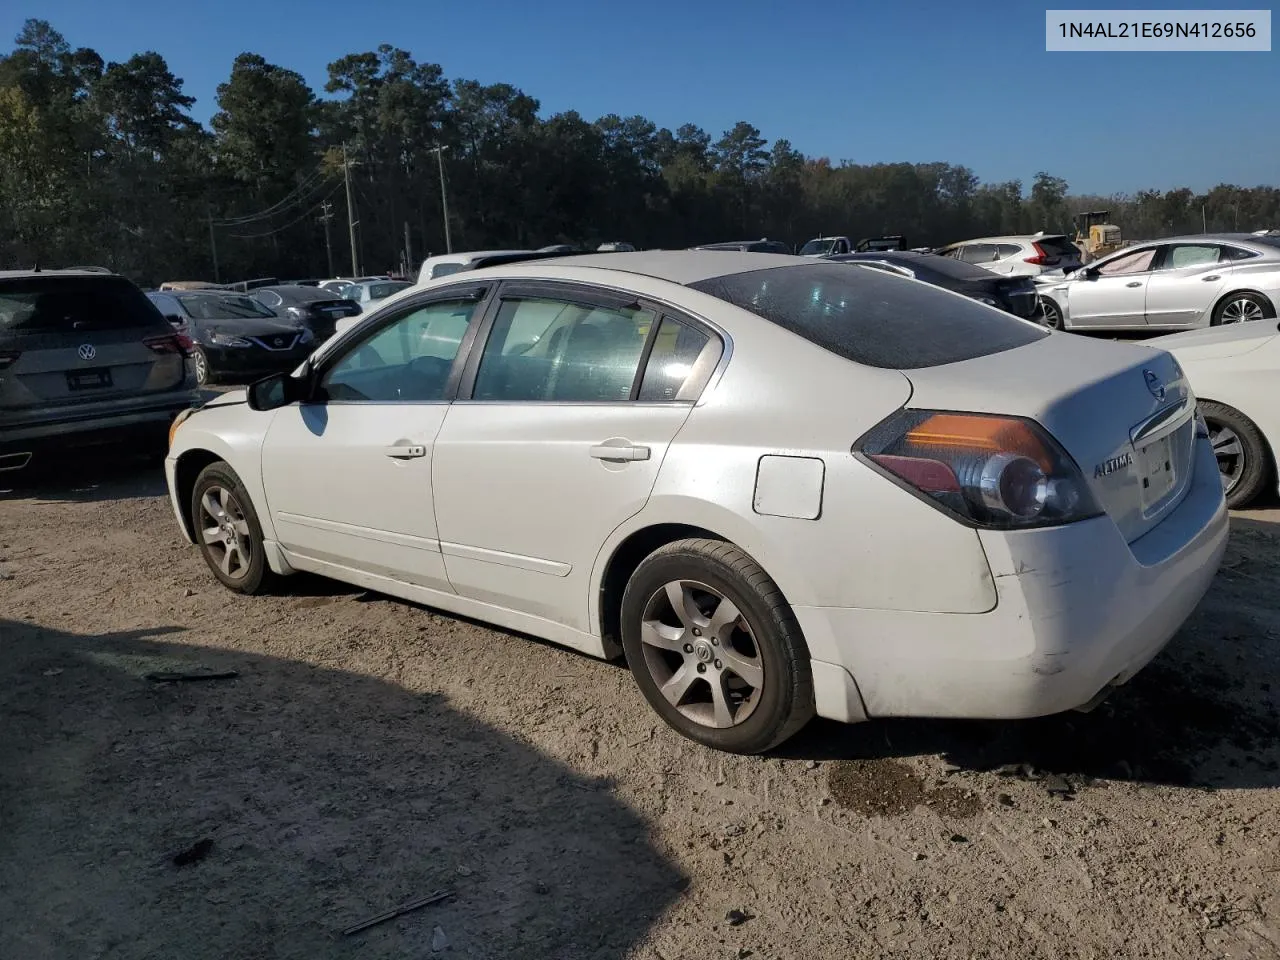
780 487
1235 372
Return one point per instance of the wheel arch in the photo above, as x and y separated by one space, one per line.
1222 301
185 471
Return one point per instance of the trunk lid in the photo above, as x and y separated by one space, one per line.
1124 413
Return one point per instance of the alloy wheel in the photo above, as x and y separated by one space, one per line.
702 654
1050 315
202 367
224 532
1242 310
1230 453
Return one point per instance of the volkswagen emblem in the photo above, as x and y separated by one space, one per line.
1153 384
87 351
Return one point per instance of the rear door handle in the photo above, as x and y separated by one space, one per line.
1212 276
1135 283
606 451
405 451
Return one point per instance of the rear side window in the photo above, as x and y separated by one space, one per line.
675 349
1236 253
52 304
871 317
979 253
1007 250
444 269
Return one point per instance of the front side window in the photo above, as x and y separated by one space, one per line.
1139 261
269 297
543 349
406 361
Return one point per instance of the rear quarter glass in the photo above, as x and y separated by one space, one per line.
871 317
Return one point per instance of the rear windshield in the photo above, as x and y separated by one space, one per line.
1058 246
53 303
932 268
308 294
871 317
205 307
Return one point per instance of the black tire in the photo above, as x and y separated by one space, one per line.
253 576
784 703
1250 469
1051 314
1240 302
204 373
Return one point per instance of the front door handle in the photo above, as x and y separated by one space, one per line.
608 451
405 451
1135 283
1212 276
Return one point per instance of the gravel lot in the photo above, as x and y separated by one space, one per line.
370 752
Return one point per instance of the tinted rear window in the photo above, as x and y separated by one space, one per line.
53 303
933 268
307 294
871 317
1058 246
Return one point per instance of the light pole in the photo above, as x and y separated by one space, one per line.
444 199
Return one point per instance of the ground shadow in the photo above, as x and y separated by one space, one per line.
1205 713
102 475
329 797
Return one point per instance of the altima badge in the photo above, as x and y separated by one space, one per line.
1107 467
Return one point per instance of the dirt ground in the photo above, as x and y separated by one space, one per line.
370 752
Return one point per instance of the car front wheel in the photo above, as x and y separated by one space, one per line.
227 530
714 647
1051 314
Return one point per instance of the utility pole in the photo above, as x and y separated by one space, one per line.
325 217
213 245
408 251
1204 223
444 199
351 212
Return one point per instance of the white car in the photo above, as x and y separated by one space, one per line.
1026 256
780 488
1235 372
1174 284
433 268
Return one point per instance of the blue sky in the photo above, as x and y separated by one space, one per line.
860 80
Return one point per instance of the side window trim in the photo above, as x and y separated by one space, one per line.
482 294
608 298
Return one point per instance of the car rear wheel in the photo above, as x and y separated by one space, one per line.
1244 462
1050 314
203 374
227 529
1243 308
714 647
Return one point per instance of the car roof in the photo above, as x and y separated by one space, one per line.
22 274
676 266
470 255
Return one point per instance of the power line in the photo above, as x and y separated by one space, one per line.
296 220
295 196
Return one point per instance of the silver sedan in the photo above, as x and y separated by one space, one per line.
1177 284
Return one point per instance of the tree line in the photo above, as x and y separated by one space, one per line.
102 163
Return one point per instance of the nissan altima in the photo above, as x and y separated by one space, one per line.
778 487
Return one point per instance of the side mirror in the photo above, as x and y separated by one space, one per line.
174 319
275 391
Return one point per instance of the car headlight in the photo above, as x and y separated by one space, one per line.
306 335
227 340
177 422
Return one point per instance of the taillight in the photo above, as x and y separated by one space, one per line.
1040 259
173 343
8 357
1004 473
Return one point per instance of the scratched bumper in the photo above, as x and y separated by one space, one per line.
1078 610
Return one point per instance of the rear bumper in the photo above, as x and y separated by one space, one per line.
1079 610
71 437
